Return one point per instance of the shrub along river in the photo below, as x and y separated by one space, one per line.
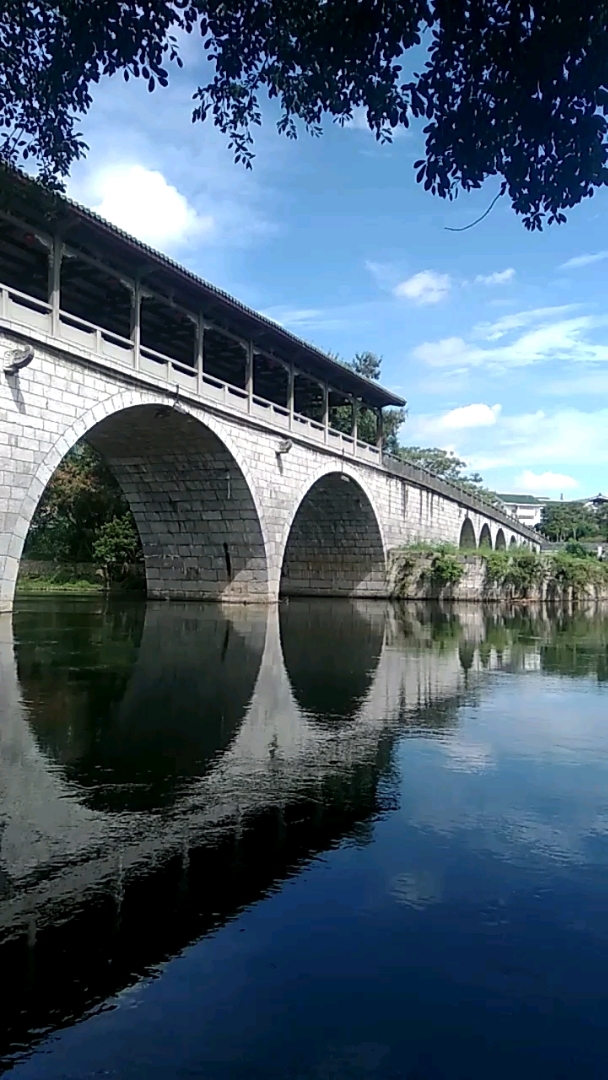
326 841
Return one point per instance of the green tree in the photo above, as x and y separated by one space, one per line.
601 518
117 546
561 521
505 88
80 498
369 365
447 466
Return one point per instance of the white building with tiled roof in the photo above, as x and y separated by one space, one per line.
526 508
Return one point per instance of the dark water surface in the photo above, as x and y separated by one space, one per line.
331 841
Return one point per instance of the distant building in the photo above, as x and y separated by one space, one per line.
596 502
526 508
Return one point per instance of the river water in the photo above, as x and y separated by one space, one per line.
333 841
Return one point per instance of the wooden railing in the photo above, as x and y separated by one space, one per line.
37 318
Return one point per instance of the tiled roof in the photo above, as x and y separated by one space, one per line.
358 384
522 500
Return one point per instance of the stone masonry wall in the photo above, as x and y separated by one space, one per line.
417 584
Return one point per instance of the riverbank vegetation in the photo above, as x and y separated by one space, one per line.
82 520
563 522
431 570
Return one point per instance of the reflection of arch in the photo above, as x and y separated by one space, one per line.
334 546
513 542
467 535
331 654
501 543
146 717
466 654
485 536
201 532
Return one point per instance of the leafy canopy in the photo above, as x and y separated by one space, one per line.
447 466
504 88
562 521
79 505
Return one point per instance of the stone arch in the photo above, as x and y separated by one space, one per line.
485 536
334 545
467 536
513 542
500 543
196 510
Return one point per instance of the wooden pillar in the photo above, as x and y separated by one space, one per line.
379 429
55 257
249 376
326 411
355 415
136 322
200 339
291 394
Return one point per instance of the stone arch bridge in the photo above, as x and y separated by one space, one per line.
252 462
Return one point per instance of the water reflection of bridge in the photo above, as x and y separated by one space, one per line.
191 758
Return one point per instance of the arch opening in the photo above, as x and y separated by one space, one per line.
485 537
467 536
198 524
513 542
334 547
83 525
501 543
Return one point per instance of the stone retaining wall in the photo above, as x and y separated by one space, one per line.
418 584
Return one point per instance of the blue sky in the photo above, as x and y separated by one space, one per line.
498 339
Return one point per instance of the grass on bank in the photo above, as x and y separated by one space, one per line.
58 582
65 579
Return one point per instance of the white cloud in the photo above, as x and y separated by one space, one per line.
383 274
302 319
445 426
545 483
584 260
493 331
579 385
499 277
470 416
547 337
144 204
566 437
547 448
426 287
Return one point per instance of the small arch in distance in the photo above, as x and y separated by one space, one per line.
467 536
485 537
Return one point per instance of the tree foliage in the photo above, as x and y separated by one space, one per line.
369 365
446 465
504 88
81 498
117 546
562 521
601 517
